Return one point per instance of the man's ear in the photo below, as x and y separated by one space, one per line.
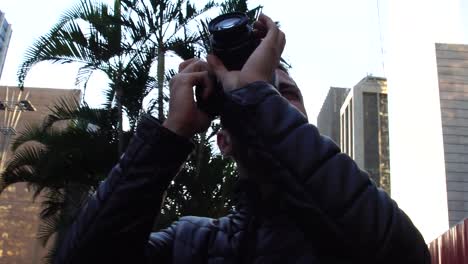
224 140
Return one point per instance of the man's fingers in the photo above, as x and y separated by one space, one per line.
265 26
193 65
271 27
266 20
201 79
185 63
259 25
259 34
216 66
265 59
274 38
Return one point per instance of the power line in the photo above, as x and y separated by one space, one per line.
381 38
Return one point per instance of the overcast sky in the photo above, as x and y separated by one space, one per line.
329 43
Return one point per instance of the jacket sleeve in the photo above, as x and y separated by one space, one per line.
115 224
340 207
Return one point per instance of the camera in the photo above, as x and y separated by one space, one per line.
232 41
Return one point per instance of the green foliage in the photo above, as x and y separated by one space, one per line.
63 160
165 26
229 6
203 187
72 151
88 33
99 38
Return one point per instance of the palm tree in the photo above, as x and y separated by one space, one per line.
204 186
94 36
63 166
123 44
164 24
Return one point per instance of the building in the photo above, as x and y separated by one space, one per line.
452 69
5 36
18 215
364 128
417 157
328 120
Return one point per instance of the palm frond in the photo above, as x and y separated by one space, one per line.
64 45
30 133
65 109
190 16
184 48
68 109
83 76
229 6
47 228
21 167
169 74
69 41
137 83
109 94
51 254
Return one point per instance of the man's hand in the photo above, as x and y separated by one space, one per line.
263 62
184 118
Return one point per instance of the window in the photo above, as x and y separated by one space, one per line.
371 135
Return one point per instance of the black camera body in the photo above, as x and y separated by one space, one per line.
232 39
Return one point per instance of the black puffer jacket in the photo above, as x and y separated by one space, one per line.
325 209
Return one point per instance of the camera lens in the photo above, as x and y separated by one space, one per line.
232 39
227 23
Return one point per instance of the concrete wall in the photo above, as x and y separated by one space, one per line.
452 67
364 128
328 120
355 101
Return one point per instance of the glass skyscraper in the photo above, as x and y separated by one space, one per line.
5 35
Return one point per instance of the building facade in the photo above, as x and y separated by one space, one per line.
18 214
452 69
328 120
5 36
364 129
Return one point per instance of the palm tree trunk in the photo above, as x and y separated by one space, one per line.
200 156
161 61
119 91
160 78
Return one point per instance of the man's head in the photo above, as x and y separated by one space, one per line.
287 87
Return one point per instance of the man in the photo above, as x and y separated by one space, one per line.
300 200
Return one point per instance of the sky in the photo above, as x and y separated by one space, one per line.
420 147
329 43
